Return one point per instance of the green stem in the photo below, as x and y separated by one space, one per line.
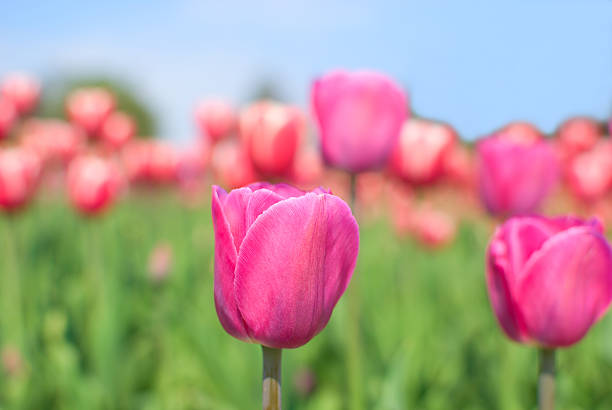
13 309
271 397
546 380
354 365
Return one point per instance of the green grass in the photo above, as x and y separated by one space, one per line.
99 334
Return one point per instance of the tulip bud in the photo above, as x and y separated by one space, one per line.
231 165
53 140
433 228
19 172
89 107
520 133
421 150
589 173
22 90
163 162
8 115
118 129
283 258
271 134
515 177
93 184
307 169
549 280
577 135
360 116
216 119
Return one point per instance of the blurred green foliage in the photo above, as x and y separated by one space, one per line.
127 100
101 334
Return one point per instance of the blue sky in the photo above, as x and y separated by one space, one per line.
475 64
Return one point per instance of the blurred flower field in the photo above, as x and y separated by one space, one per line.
104 330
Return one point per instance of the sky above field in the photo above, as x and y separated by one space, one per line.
475 64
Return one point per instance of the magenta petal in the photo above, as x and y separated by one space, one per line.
567 286
225 263
294 265
500 284
234 208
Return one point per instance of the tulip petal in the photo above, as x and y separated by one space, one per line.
566 287
295 263
225 264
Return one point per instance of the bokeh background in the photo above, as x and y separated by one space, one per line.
115 310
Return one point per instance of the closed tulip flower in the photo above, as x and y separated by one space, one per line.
283 258
515 177
93 184
118 129
216 119
19 172
231 165
89 107
520 132
22 90
577 135
421 150
589 174
8 115
360 115
549 280
271 133
55 141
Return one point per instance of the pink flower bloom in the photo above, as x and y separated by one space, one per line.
231 165
520 132
433 228
515 177
421 150
459 166
8 115
93 184
19 172
117 129
360 115
22 90
271 133
307 168
55 141
589 174
549 280
89 107
216 119
577 135
163 162
283 258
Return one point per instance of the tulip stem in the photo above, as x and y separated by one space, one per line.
271 378
13 308
354 367
546 380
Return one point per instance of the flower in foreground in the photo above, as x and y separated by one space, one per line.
549 280
283 259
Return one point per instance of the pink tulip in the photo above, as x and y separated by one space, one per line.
163 162
520 132
118 129
360 116
459 166
192 162
589 174
307 168
549 280
433 228
135 158
89 107
577 135
421 150
22 90
19 172
216 119
283 258
271 133
93 184
231 165
8 115
54 141
515 177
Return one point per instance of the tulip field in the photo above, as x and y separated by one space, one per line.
352 255
428 337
